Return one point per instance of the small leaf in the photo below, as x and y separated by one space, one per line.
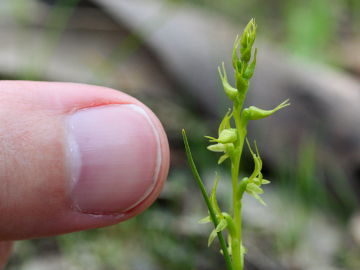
205 220
225 123
211 139
213 200
265 182
216 182
253 188
235 57
257 197
257 162
212 237
222 225
223 158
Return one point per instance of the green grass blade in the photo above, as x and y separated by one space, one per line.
207 200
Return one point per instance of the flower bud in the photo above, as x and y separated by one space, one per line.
248 37
255 113
228 136
249 72
241 83
246 55
230 91
229 148
219 147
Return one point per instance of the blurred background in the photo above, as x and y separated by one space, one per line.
166 53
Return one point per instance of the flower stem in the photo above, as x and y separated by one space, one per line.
237 253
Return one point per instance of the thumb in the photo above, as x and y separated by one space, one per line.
5 249
75 157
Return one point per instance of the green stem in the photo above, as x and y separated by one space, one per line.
236 241
207 200
237 254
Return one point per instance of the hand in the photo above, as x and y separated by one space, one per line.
74 157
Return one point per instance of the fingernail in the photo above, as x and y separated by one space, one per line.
114 158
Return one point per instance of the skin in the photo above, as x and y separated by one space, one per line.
31 117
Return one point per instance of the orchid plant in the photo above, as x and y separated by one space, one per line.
230 141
